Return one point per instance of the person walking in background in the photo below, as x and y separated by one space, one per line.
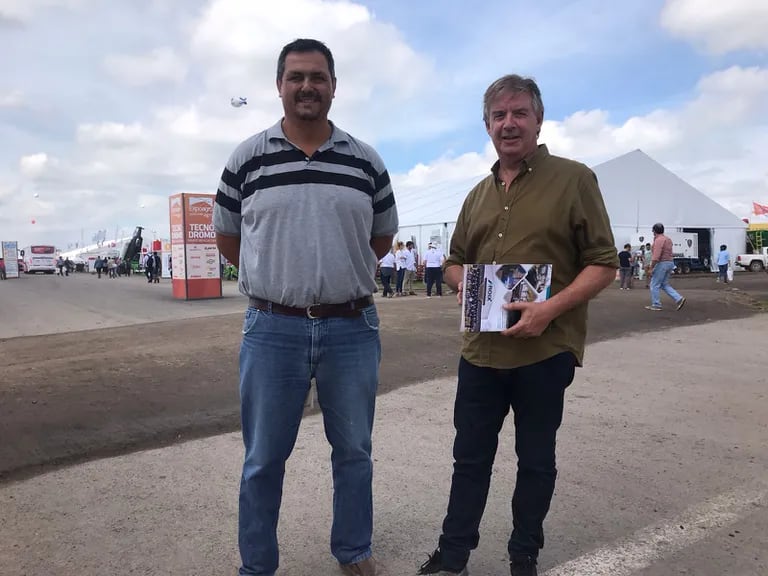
158 268
400 263
433 269
647 258
386 271
410 269
637 263
662 264
625 267
723 261
153 268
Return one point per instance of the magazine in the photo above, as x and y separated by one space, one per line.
487 287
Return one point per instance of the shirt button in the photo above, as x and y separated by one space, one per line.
530 169
494 262
506 207
500 234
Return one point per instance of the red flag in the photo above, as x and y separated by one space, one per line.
758 209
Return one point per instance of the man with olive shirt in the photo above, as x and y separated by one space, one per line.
534 208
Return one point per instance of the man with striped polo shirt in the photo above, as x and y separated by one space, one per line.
286 195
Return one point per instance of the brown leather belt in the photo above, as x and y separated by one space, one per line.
345 310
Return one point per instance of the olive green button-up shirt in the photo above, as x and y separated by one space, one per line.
552 213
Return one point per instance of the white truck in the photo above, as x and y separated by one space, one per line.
754 262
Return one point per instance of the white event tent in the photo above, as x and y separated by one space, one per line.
637 190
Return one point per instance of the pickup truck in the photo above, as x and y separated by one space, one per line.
687 265
753 262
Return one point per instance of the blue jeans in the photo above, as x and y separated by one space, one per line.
723 269
399 281
278 357
660 281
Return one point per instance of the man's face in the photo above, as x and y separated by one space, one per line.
306 86
513 125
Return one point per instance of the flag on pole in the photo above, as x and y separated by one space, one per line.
759 209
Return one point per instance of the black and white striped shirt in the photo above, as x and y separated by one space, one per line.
305 223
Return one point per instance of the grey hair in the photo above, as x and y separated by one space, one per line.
513 83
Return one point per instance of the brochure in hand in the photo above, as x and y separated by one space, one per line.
487 287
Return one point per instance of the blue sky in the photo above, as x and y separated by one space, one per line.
108 108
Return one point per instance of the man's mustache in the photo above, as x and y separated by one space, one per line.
305 95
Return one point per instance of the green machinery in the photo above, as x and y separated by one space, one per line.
757 239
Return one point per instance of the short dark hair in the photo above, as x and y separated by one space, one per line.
304 45
409 244
723 247
627 245
658 228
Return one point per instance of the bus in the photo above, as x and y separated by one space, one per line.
39 259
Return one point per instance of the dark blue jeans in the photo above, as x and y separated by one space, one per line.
386 280
434 277
399 282
278 357
483 399
723 268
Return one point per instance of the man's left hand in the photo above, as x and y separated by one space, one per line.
534 319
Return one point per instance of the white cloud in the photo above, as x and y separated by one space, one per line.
157 66
719 26
449 168
34 165
110 150
716 141
371 81
24 10
12 99
110 133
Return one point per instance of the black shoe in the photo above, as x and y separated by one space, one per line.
434 565
523 565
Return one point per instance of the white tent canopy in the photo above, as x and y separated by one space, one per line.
637 189
638 192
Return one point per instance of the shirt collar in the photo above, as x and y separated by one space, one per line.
529 164
275 132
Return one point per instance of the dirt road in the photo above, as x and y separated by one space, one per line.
79 395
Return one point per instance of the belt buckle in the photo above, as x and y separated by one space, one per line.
310 315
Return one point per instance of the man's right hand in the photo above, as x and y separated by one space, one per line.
460 292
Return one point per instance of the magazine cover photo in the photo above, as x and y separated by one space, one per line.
487 287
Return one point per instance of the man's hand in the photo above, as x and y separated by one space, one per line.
534 319
459 292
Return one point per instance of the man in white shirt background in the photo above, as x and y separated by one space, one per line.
410 269
433 269
387 271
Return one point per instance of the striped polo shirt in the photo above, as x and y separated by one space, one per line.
305 223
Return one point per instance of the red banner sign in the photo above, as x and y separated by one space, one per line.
196 262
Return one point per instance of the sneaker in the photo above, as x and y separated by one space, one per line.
434 565
523 565
680 303
365 567
654 308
